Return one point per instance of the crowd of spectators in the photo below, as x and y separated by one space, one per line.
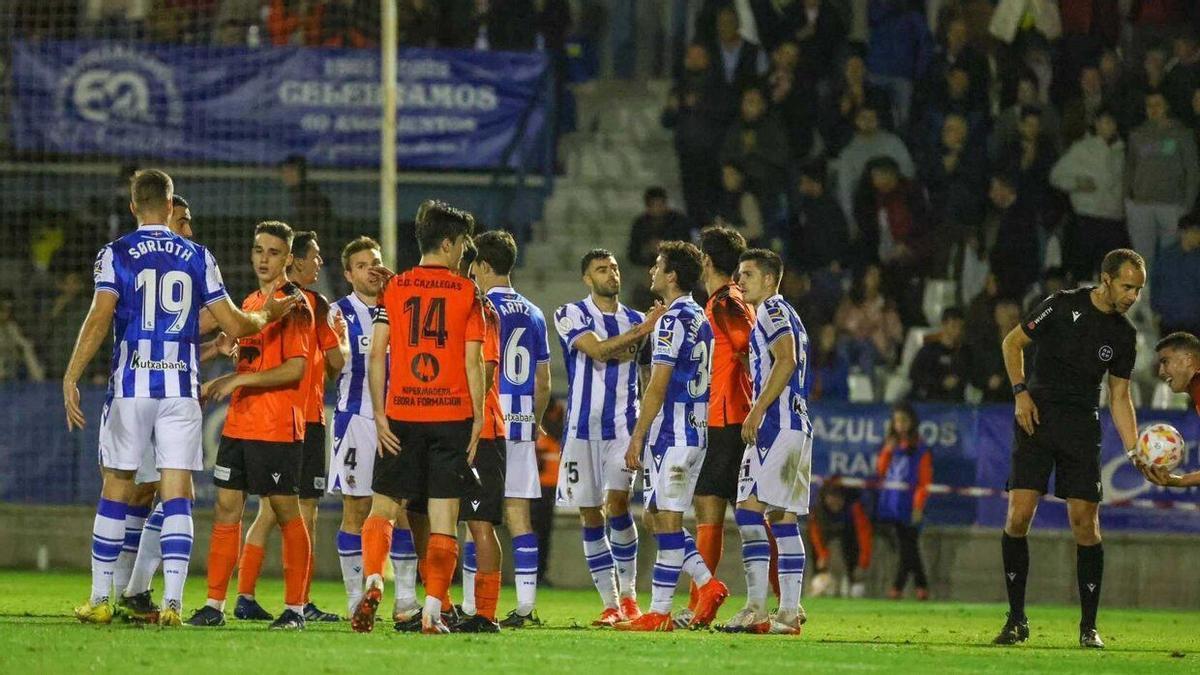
1001 145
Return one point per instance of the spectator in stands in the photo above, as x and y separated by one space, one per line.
1136 86
294 22
828 370
696 112
1011 237
980 321
817 236
791 101
1162 179
869 142
849 94
893 227
899 51
1006 130
838 516
1080 111
1029 157
1183 76
739 63
939 371
658 223
953 98
987 372
736 205
906 470
869 325
1175 279
417 23
821 35
349 23
758 144
955 174
311 209
1054 279
18 361
955 52
1092 173
62 318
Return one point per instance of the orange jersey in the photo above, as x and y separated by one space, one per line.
432 314
323 339
493 415
731 321
273 413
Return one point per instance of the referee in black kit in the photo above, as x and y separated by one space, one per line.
1077 337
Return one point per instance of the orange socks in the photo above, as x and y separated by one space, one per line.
222 558
710 539
487 594
297 550
376 542
249 568
441 560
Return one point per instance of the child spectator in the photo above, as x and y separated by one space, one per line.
839 516
905 470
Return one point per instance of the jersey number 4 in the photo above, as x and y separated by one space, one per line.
172 293
432 327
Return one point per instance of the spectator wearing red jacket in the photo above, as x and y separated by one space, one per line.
905 471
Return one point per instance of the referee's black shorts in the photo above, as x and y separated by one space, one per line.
1066 442
484 500
722 462
432 463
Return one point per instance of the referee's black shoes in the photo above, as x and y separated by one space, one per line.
1015 631
1089 638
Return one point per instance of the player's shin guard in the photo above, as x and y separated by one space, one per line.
667 566
149 554
791 565
249 567
222 558
469 568
350 556
600 564
442 553
404 566
177 533
1089 570
525 567
376 540
108 536
1015 551
693 564
135 521
756 557
624 537
296 553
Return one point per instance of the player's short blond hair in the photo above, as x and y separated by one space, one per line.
150 189
363 243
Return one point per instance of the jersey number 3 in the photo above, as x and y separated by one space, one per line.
172 293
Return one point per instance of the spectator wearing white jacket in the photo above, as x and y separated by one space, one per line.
1092 173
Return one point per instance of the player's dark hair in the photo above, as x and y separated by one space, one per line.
1114 259
180 202
437 221
1182 341
682 258
359 245
594 254
469 255
301 241
150 189
276 228
952 314
498 249
723 246
914 433
767 260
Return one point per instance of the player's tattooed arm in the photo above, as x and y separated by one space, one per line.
652 403
91 336
477 386
784 353
1013 349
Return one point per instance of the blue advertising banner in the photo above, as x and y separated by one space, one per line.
456 109
43 463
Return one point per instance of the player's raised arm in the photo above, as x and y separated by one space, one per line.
91 336
652 403
784 353
614 347
236 323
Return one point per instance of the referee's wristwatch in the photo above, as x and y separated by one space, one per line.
1018 388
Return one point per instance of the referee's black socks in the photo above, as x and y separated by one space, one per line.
1089 568
1016 569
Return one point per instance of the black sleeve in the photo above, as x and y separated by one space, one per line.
1123 360
1043 317
924 373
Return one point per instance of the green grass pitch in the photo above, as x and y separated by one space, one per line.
38 635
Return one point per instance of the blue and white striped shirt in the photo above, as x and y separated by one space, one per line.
602 402
354 392
683 340
161 281
523 345
777 320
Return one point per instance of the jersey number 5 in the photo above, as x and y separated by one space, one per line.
173 295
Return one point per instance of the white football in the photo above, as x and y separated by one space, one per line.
1161 445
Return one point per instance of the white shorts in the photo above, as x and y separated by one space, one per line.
670 477
147 472
521 479
162 433
355 442
589 469
778 475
